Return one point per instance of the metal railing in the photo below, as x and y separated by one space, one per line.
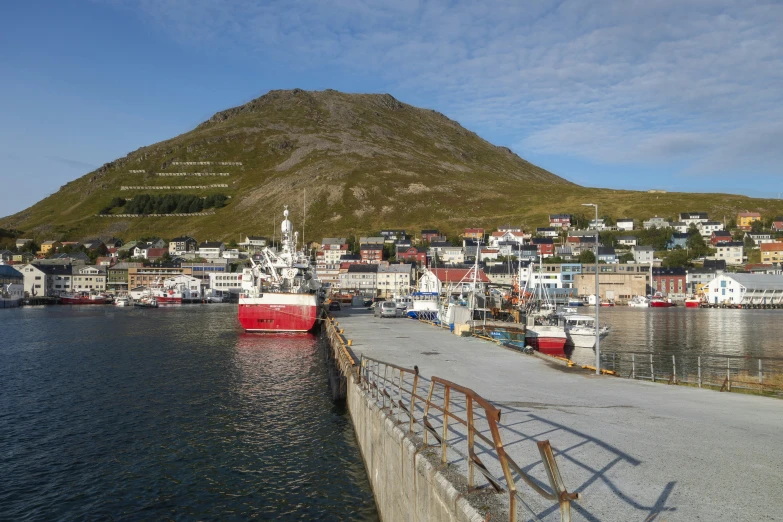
720 371
399 387
340 345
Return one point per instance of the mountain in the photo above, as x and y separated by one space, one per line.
360 162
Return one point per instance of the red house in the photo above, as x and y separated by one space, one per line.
669 281
427 235
544 245
371 253
720 236
560 220
413 255
777 225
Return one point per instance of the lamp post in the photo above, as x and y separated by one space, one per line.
597 296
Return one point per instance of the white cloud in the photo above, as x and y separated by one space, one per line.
614 82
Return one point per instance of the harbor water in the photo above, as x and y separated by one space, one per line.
169 413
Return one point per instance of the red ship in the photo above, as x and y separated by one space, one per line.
280 292
658 301
82 298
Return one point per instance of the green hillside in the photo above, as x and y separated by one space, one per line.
364 161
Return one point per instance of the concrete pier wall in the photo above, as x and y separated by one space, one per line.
406 484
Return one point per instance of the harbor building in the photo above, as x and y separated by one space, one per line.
394 279
745 289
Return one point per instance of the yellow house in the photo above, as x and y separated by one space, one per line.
772 252
744 219
48 247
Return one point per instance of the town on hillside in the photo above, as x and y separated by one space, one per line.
721 262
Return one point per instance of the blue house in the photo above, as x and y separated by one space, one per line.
607 255
678 240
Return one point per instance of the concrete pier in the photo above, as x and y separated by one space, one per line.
634 450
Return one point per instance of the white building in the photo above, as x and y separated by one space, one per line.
681 227
732 252
745 289
452 255
331 253
599 225
625 224
706 228
656 222
547 231
760 238
230 254
329 274
627 240
643 254
253 244
394 279
693 218
508 236
47 280
87 277
181 245
224 283
211 249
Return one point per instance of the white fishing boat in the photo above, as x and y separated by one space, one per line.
580 330
122 301
639 301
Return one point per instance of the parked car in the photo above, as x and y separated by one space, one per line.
388 309
335 306
376 309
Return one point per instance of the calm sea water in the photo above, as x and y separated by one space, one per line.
693 331
113 413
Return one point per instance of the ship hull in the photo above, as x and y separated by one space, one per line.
547 340
278 312
661 304
81 301
692 304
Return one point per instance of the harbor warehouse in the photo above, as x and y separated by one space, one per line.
745 289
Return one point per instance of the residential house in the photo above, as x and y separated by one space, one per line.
455 280
360 278
607 255
150 275
564 252
73 258
547 231
153 254
331 253
470 249
211 249
474 233
502 273
23 257
182 245
371 253
393 235
157 243
88 278
140 251
129 248
350 259
328 241
6 256
681 227
720 236
113 242
671 282
11 285
731 251
760 238
544 245
402 244
414 255
329 275
527 252
22 242
581 244
428 234
772 252
202 270
627 240
643 254
451 255
47 280
560 220
372 240
777 224
394 279
624 224
745 289
507 236
694 218
656 222
599 224
489 254
49 247
95 244
436 247
105 261
253 244
746 219
706 228
678 239
764 268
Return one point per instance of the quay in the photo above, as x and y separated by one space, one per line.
633 450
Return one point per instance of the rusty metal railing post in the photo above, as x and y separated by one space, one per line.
425 419
471 453
564 498
413 399
446 395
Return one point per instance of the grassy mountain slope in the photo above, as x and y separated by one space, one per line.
365 161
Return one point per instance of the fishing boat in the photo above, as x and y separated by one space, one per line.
543 331
607 303
580 330
146 301
639 301
658 301
693 302
122 301
424 305
280 292
82 298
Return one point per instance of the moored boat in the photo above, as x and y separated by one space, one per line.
580 330
423 305
639 301
693 302
82 298
279 293
122 301
658 301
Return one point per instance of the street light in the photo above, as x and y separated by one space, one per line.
597 296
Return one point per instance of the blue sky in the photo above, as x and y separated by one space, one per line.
676 95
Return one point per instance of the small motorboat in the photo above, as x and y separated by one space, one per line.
639 301
122 301
693 302
658 301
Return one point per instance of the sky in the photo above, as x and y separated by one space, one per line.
682 95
